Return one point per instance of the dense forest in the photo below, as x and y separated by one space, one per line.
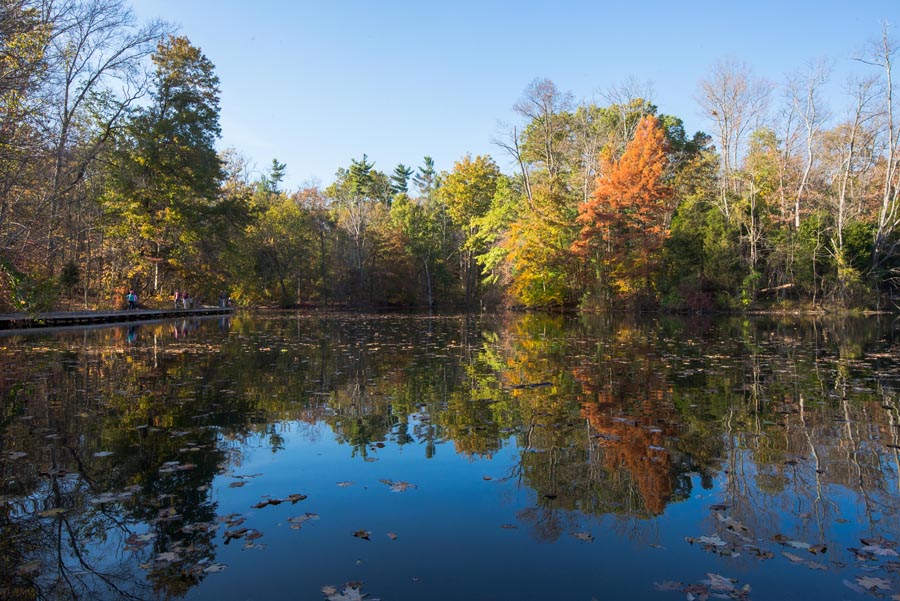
110 179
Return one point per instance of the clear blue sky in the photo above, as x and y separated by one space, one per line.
318 82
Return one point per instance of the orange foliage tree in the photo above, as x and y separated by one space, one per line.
624 223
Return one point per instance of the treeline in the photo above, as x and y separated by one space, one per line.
109 180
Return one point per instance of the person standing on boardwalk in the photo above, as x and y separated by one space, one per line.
177 297
131 297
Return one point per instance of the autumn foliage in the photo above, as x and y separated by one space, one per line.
623 225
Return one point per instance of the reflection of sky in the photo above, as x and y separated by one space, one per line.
451 543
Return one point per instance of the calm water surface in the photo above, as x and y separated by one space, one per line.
493 457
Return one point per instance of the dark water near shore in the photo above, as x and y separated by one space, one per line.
477 457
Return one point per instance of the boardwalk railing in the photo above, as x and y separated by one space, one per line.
17 321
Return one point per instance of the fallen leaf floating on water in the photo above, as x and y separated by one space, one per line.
719 583
713 540
170 467
759 553
796 544
714 544
879 547
136 541
233 519
870 583
238 533
792 557
345 484
297 521
294 498
732 524
668 585
584 536
392 536
111 497
363 534
201 527
398 486
214 567
715 586
350 592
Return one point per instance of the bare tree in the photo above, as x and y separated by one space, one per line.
850 143
544 139
96 61
736 103
85 64
805 96
882 56
542 104
631 100
589 135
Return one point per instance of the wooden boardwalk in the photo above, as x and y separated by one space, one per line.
25 321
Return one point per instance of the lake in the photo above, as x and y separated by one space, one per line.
411 457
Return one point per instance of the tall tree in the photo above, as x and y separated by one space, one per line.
888 220
467 192
806 97
168 173
357 195
271 181
624 224
98 73
426 177
734 101
848 157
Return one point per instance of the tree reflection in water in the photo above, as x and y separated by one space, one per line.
115 440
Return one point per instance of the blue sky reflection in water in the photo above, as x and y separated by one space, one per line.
520 457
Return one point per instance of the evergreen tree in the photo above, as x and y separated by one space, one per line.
272 180
400 179
167 173
624 223
426 178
